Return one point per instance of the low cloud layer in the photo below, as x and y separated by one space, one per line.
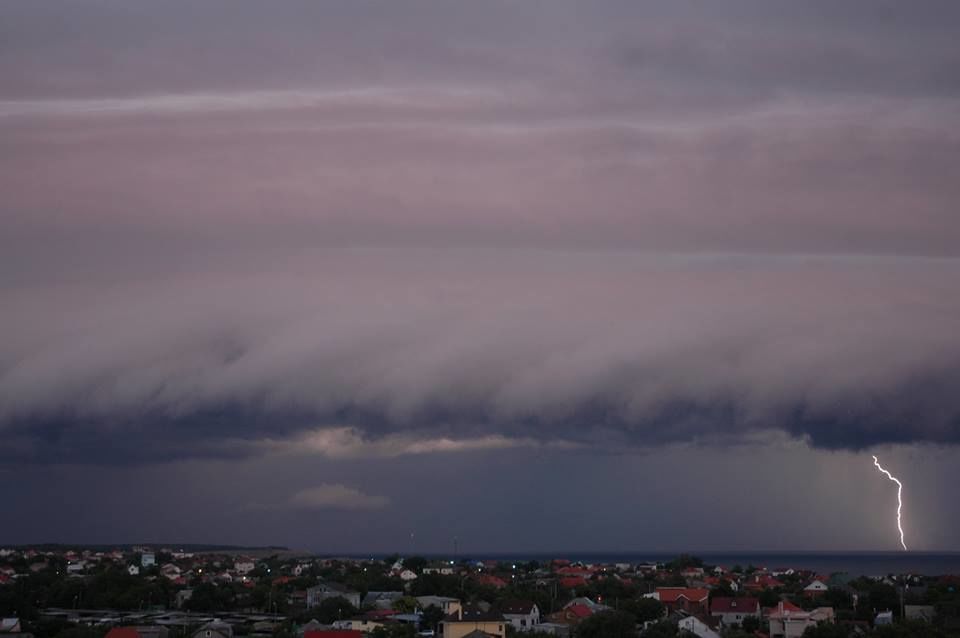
336 496
499 226
479 350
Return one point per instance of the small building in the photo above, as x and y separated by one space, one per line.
446 604
523 615
785 623
381 599
148 559
815 589
323 591
919 612
697 627
10 625
691 600
473 618
732 611
883 618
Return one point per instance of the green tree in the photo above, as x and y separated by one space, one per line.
432 616
643 609
405 605
750 624
827 630
608 624
331 609
769 598
415 563
663 629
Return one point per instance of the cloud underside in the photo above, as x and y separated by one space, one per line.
377 233
326 496
463 352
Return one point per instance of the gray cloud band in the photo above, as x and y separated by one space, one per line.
590 350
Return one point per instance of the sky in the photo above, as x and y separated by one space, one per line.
356 276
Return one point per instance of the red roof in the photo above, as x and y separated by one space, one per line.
580 610
672 594
727 605
380 613
123 632
490 579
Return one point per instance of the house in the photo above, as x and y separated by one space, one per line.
10 626
76 567
323 591
170 571
244 567
148 559
697 627
883 618
760 582
407 575
214 629
570 615
683 599
381 599
140 631
491 581
786 623
815 589
919 612
447 605
554 629
592 606
182 597
133 570
524 615
472 618
572 582
732 611
363 625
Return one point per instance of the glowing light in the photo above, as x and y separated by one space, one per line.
899 497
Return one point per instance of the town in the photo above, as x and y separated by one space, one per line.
179 592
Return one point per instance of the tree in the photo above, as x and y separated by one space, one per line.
827 630
405 605
769 598
415 563
331 609
608 624
643 609
432 616
838 598
750 624
663 629
909 629
395 631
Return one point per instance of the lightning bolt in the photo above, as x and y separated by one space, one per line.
899 497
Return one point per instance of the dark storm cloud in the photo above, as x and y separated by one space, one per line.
363 226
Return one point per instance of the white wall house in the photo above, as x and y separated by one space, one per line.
697 627
523 615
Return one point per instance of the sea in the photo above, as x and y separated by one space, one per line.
852 563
